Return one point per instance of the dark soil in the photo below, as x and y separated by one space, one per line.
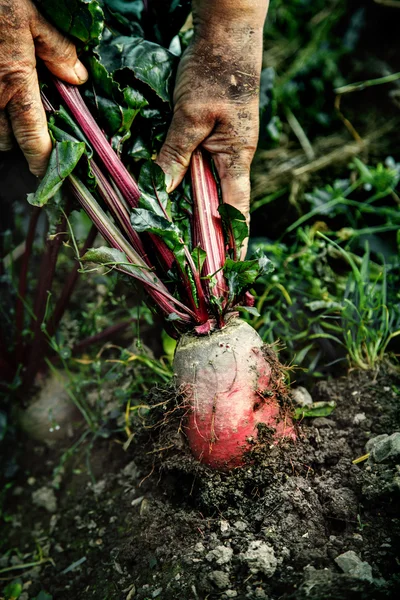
143 524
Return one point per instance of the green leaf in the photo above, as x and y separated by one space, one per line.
154 191
199 256
169 345
116 108
150 63
241 275
235 224
62 124
317 409
63 160
42 595
13 590
111 257
249 309
145 220
131 10
82 19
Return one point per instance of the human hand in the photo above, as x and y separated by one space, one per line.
216 103
25 34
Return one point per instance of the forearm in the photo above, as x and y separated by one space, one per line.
216 95
221 18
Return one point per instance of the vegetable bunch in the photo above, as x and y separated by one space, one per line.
183 248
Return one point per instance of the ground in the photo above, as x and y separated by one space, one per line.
302 521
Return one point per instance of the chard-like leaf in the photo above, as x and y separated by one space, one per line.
140 149
241 275
199 256
130 9
154 196
62 120
145 220
116 107
150 63
83 19
249 309
63 160
236 227
111 257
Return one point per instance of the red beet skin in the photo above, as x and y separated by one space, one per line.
226 379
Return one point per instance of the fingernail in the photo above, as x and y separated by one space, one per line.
80 71
168 182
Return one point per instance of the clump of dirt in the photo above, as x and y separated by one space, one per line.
303 521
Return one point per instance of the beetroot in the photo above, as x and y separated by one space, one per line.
226 379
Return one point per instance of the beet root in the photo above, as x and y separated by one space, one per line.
227 381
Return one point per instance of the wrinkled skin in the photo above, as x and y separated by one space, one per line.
25 34
216 95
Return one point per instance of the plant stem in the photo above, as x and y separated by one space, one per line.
153 285
114 203
19 309
362 85
47 270
102 335
207 223
69 285
123 179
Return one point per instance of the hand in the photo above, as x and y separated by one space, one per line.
216 102
24 33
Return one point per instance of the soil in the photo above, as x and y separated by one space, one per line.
147 523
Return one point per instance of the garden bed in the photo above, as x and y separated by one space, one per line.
303 521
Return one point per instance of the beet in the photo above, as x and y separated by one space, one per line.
228 382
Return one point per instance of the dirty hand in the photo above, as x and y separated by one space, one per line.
25 34
216 96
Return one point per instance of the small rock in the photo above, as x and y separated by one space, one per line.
260 594
358 538
352 565
359 418
130 471
375 440
225 527
260 558
219 579
240 525
157 592
99 487
231 593
45 498
220 555
387 449
301 396
199 547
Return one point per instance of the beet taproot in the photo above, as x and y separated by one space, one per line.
227 381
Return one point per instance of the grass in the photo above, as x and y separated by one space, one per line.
333 297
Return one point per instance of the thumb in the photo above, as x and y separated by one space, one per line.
183 137
57 52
